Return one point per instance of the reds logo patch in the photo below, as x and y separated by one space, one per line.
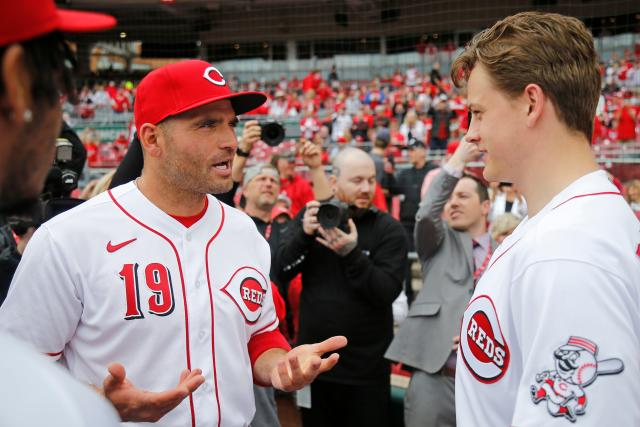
482 345
577 367
213 75
247 288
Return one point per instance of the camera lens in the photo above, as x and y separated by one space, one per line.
329 216
272 133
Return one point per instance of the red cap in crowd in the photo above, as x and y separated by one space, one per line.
22 20
183 86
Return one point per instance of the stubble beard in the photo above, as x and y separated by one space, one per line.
183 175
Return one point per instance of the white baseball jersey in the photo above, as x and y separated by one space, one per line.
551 334
36 392
118 280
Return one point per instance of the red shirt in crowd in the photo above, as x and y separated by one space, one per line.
298 190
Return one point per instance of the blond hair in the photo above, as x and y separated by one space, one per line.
553 51
503 223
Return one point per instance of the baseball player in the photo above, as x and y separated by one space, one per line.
162 278
565 286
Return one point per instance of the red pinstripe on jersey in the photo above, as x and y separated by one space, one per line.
184 295
213 341
604 193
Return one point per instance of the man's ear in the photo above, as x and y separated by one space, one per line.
485 207
16 103
535 100
333 182
151 139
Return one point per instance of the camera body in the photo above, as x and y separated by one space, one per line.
272 133
334 213
61 179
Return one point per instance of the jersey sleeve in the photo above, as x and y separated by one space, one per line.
577 326
43 306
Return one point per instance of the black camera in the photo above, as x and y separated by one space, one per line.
272 133
333 213
62 179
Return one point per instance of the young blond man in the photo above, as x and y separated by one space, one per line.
557 307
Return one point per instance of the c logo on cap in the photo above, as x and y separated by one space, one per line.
207 75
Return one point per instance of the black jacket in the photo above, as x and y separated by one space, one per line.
349 295
409 182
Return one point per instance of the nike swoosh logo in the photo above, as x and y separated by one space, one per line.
112 248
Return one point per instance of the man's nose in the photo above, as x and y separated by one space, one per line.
228 140
473 134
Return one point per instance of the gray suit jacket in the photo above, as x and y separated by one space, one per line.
424 339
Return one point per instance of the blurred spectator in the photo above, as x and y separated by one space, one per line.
633 194
309 124
311 81
333 79
341 123
381 118
503 226
412 76
453 255
625 123
361 125
412 128
378 152
349 282
278 108
507 199
441 119
297 189
352 103
408 182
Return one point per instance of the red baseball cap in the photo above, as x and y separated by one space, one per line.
182 86
22 20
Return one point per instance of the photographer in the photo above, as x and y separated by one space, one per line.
350 277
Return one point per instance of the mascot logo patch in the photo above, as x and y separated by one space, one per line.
247 288
482 344
576 368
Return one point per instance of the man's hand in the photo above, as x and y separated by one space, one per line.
465 153
337 240
303 364
250 135
310 222
311 154
138 405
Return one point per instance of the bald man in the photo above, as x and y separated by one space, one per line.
350 277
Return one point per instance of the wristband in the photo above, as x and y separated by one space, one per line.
241 152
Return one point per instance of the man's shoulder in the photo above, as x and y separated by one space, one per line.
85 214
601 233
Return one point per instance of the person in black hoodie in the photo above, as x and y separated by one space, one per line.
349 281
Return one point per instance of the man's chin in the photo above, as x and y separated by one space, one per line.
458 226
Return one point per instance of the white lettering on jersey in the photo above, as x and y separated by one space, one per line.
483 346
247 288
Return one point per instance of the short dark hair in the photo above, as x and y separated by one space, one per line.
50 63
481 187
